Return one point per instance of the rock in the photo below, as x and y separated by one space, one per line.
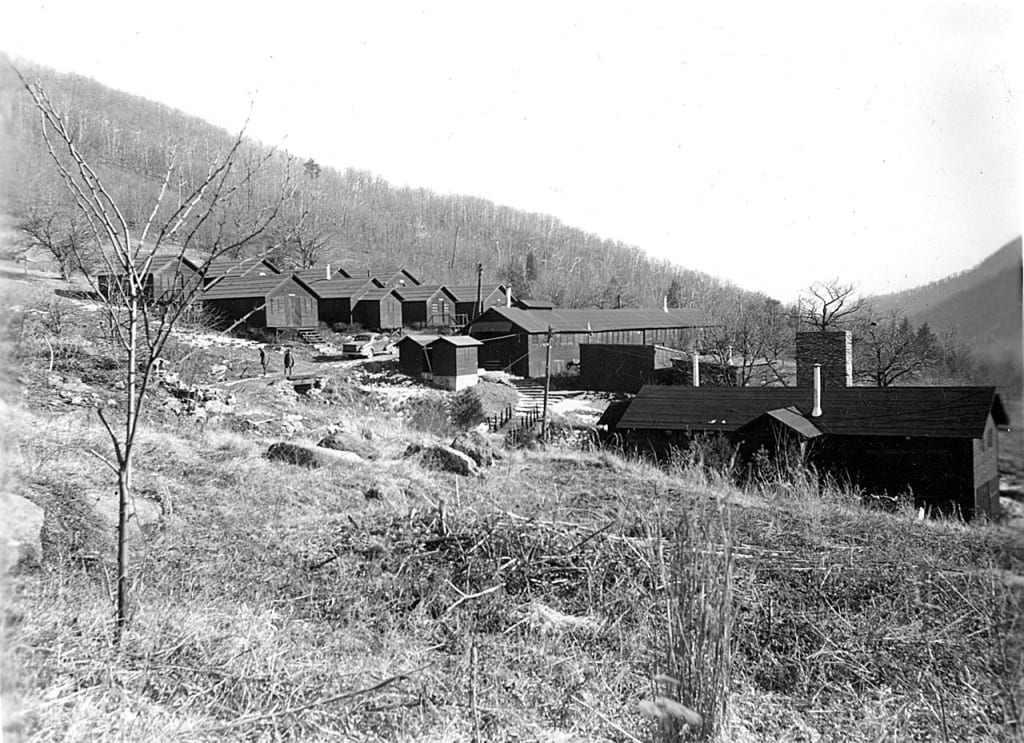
20 532
449 460
476 446
346 442
310 456
382 491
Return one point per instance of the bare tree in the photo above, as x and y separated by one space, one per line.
218 210
753 338
60 232
827 305
890 350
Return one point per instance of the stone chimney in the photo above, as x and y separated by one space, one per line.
833 350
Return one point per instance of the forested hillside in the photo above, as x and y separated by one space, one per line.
350 218
982 305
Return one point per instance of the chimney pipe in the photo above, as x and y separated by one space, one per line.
508 296
696 368
328 272
816 411
665 303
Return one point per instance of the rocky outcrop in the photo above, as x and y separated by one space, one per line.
348 442
310 456
477 447
444 458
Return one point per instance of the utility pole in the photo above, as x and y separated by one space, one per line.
479 289
547 388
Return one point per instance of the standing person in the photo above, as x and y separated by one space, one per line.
289 362
264 359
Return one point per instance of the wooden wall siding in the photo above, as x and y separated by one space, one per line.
384 313
229 311
616 368
335 311
412 359
291 307
985 453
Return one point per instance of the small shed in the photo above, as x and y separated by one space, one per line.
377 308
454 362
413 358
276 301
426 306
491 295
610 367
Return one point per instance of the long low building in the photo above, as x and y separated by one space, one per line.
515 340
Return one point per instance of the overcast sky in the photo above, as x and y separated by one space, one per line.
771 144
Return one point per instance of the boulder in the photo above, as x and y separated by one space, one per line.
20 532
476 446
447 459
310 456
347 442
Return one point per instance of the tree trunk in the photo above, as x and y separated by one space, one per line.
124 475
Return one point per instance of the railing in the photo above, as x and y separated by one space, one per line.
496 421
523 426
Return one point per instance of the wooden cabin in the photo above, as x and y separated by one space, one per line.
224 267
276 301
336 297
389 276
491 295
377 308
426 306
937 443
515 339
169 277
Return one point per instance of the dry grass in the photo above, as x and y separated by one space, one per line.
275 602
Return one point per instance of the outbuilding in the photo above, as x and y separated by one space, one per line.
450 361
413 357
276 301
466 305
426 306
515 340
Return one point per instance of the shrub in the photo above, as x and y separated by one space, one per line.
476 404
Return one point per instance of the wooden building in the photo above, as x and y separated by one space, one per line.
426 306
168 277
609 367
377 308
449 361
491 295
337 297
515 339
224 267
277 301
389 276
528 303
938 443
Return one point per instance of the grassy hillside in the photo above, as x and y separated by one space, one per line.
271 601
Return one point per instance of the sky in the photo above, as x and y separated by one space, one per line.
770 144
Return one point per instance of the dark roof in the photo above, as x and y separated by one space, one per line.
233 287
421 293
613 413
160 263
319 273
379 271
338 288
224 266
457 340
790 417
467 292
374 294
957 412
590 321
526 303
419 340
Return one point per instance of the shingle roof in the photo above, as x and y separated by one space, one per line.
420 293
458 340
319 273
224 266
594 321
467 292
419 340
957 412
245 286
338 288
527 303
379 271
373 294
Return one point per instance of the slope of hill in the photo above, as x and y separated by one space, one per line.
982 304
349 218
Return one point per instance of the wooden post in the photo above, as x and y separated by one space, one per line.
479 289
547 387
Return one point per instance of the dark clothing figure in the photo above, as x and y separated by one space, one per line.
289 362
264 360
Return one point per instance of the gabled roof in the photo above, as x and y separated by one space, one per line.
374 293
467 292
421 293
319 273
223 266
419 340
248 286
791 418
380 271
955 412
589 321
338 288
457 340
